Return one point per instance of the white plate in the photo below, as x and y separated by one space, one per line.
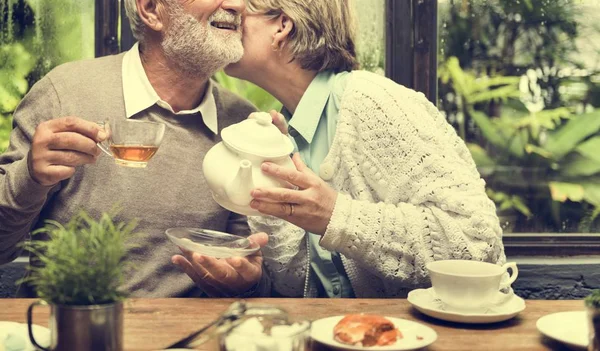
12 333
427 303
211 243
322 331
570 328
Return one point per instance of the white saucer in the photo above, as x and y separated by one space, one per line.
570 328
427 303
16 334
415 335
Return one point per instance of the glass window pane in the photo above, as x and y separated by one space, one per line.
371 35
36 36
520 81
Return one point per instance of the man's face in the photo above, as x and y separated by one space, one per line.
203 36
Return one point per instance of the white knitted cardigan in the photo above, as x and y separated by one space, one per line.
409 193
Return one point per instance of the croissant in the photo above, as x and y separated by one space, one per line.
366 329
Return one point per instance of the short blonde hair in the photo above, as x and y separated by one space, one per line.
323 37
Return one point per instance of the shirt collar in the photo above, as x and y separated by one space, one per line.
140 95
308 113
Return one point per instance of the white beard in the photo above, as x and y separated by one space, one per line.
200 50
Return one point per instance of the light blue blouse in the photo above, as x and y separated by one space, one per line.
313 127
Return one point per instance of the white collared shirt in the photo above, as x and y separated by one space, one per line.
140 95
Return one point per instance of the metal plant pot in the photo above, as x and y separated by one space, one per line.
93 327
593 328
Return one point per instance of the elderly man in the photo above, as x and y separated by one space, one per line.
53 167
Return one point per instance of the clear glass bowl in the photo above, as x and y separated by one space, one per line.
211 242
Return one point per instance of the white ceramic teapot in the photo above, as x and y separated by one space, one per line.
232 167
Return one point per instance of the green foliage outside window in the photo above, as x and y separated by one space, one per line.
36 36
526 100
15 65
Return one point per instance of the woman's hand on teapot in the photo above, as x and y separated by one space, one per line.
310 207
278 121
224 277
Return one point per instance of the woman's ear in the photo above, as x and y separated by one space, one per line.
285 28
152 13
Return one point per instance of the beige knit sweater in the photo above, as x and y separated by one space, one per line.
409 193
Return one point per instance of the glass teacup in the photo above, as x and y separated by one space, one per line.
132 143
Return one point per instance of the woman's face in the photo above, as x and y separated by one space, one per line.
257 37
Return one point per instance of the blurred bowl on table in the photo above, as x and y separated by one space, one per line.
211 242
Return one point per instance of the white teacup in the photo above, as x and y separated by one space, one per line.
470 285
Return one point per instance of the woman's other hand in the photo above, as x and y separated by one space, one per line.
279 122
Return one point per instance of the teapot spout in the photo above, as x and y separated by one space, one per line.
238 190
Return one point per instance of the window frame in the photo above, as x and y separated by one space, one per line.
127 39
411 41
106 26
411 32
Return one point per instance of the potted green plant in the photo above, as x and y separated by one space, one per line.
77 270
592 302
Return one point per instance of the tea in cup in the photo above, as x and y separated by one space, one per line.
470 285
132 143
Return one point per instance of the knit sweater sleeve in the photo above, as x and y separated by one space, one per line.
21 197
410 189
284 255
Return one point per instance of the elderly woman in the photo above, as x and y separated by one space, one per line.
384 184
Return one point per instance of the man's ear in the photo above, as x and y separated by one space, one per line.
152 13
285 28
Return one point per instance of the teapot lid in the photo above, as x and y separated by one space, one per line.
257 136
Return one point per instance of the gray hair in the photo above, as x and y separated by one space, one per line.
135 21
323 37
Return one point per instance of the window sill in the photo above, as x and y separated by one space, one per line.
551 244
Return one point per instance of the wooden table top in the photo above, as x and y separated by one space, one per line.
151 324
